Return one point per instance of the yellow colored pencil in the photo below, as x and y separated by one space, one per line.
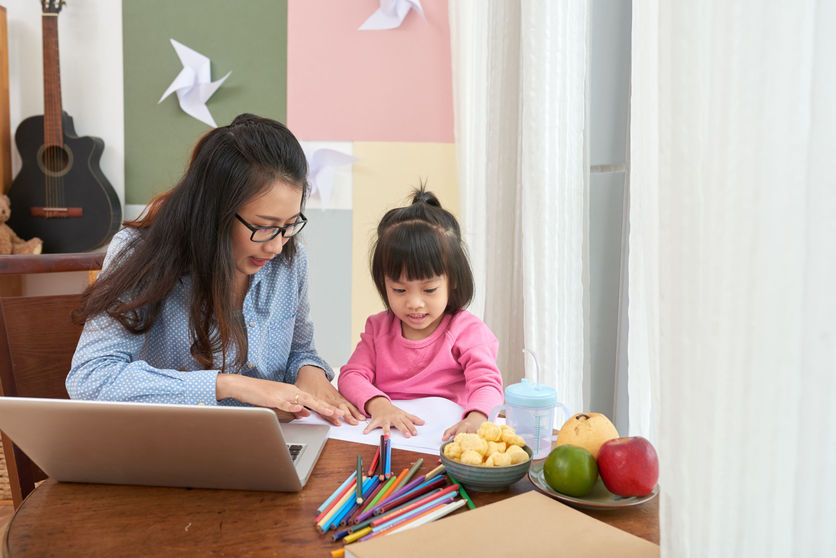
351 537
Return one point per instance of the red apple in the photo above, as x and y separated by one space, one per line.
628 466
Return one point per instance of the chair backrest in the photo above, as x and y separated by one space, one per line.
37 342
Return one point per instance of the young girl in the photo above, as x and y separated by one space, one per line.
204 299
425 343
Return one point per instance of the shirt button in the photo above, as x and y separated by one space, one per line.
252 324
250 365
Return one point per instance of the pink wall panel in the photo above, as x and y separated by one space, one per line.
350 85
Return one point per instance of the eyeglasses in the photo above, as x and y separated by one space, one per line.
266 234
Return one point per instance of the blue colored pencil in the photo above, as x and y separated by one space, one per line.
343 511
388 472
336 493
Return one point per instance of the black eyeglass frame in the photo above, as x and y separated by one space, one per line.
279 230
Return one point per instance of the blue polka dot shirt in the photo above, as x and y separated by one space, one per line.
111 364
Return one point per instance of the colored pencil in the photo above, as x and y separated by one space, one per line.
373 466
388 471
423 500
411 472
367 511
369 499
345 508
382 461
336 493
334 503
338 553
358 484
412 514
435 471
420 491
462 492
323 523
369 486
342 517
393 485
435 513
356 535
406 491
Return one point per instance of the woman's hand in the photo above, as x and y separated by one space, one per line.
385 415
313 381
470 423
274 395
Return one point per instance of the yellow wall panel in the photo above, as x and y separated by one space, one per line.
384 175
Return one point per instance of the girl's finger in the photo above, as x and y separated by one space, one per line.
416 420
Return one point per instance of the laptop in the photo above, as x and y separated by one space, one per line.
242 448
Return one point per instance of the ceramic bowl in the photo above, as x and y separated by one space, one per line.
486 479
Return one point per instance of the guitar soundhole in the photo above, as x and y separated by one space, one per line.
55 160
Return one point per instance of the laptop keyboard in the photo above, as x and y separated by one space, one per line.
295 450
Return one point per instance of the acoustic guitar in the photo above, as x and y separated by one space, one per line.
60 193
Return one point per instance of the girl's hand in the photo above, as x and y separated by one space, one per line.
313 381
470 423
385 415
274 395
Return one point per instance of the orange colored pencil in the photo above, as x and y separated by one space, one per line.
392 486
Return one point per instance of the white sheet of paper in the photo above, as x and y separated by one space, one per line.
439 414
193 84
391 14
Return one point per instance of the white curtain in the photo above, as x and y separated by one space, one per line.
519 80
733 255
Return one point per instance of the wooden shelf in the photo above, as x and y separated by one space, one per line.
51 263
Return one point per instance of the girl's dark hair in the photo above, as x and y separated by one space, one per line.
422 240
186 232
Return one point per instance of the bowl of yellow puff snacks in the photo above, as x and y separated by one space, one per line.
489 460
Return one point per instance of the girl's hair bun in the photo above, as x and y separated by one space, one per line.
421 195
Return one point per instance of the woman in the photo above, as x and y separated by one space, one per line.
203 299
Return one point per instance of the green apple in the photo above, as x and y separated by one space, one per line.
571 470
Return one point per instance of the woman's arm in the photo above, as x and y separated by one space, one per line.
106 366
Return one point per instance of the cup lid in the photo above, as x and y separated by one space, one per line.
530 394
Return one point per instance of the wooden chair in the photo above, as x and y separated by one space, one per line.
37 342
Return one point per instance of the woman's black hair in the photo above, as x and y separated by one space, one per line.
187 232
422 240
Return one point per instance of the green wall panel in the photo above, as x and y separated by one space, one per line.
248 38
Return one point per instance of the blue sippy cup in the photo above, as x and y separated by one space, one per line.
529 410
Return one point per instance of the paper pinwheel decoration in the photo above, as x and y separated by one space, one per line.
391 14
321 165
193 84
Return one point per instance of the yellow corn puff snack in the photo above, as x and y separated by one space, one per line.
475 443
496 447
516 454
453 450
499 460
490 432
470 457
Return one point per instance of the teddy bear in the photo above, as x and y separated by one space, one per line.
10 243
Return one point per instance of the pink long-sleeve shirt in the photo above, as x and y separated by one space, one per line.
457 361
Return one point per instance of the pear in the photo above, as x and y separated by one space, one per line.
588 431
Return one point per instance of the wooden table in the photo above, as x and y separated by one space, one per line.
67 519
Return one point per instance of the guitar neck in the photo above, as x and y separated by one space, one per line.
53 129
